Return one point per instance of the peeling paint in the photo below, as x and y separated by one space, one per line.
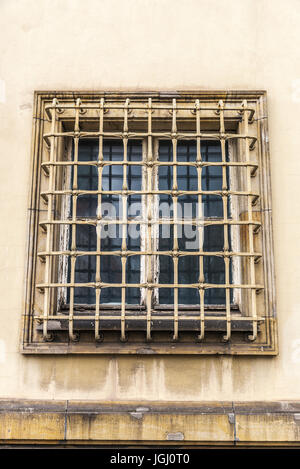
142 409
137 415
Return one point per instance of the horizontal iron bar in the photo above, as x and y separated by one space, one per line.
112 323
150 253
137 221
148 285
145 107
125 193
170 135
145 163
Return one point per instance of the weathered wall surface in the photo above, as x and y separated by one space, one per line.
149 45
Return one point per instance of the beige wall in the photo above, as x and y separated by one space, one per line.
149 45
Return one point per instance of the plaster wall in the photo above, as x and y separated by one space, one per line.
149 45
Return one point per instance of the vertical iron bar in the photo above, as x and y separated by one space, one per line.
98 336
251 259
175 212
199 221
149 219
225 218
72 336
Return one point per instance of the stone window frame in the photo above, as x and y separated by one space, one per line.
213 103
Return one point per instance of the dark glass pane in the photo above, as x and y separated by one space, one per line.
188 272
166 269
111 235
188 296
212 179
111 272
134 177
85 267
87 179
112 178
87 206
84 273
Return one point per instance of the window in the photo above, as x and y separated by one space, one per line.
150 225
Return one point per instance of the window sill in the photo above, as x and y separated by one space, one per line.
160 321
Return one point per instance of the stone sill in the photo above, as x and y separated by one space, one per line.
149 423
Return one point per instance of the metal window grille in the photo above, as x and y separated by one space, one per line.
236 126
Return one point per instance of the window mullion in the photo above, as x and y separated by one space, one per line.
156 225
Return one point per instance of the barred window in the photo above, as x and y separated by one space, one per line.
150 225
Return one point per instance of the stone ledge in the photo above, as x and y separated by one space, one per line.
151 423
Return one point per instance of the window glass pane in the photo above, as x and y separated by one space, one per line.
111 234
87 179
212 178
189 239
